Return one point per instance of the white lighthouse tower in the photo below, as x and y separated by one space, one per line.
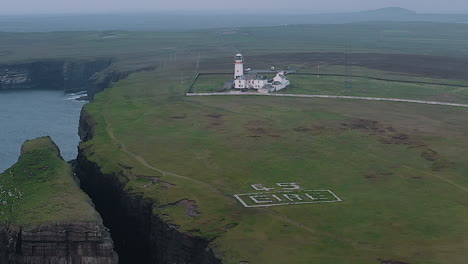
238 66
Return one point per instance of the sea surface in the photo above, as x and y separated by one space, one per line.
28 114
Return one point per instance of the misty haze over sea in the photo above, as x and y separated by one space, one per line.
181 21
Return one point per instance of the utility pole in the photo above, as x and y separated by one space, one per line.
318 70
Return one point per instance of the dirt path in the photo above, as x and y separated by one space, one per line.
461 187
143 162
335 97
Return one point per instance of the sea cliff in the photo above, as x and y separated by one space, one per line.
69 75
140 235
45 217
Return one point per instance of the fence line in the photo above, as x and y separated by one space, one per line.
332 96
381 79
189 88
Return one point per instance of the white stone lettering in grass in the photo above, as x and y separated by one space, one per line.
267 199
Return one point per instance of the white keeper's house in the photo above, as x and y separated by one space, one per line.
255 80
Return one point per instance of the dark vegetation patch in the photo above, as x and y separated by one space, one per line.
190 207
373 175
179 117
390 261
386 134
430 155
301 129
406 64
215 116
260 128
125 166
369 126
317 129
389 135
438 163
420 65
217 119
400 139
155 180
441 164
256 127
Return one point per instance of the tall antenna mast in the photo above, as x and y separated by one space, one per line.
198 61
348 82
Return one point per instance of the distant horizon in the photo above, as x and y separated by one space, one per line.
220 12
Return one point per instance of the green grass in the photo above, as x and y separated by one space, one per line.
396 203
211 83
331 85
40 188
310 68
132 50
335 85
402 180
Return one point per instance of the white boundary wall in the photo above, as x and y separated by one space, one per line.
332 96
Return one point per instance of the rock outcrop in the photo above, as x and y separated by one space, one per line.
64 243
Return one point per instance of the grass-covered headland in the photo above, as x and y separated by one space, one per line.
398 168
40 188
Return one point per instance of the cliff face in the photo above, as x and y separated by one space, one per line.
44 216
97 83
51 74
67 243
139 235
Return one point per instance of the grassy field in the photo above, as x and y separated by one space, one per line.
40 188
399 168
360 86
303 84
141 49
211 83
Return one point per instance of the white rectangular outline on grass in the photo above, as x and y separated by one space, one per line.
238 197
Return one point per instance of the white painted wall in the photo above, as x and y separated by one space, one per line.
238 66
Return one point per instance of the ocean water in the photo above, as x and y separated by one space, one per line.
28 114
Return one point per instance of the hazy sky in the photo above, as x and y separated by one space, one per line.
310 6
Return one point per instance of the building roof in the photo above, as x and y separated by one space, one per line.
251 77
